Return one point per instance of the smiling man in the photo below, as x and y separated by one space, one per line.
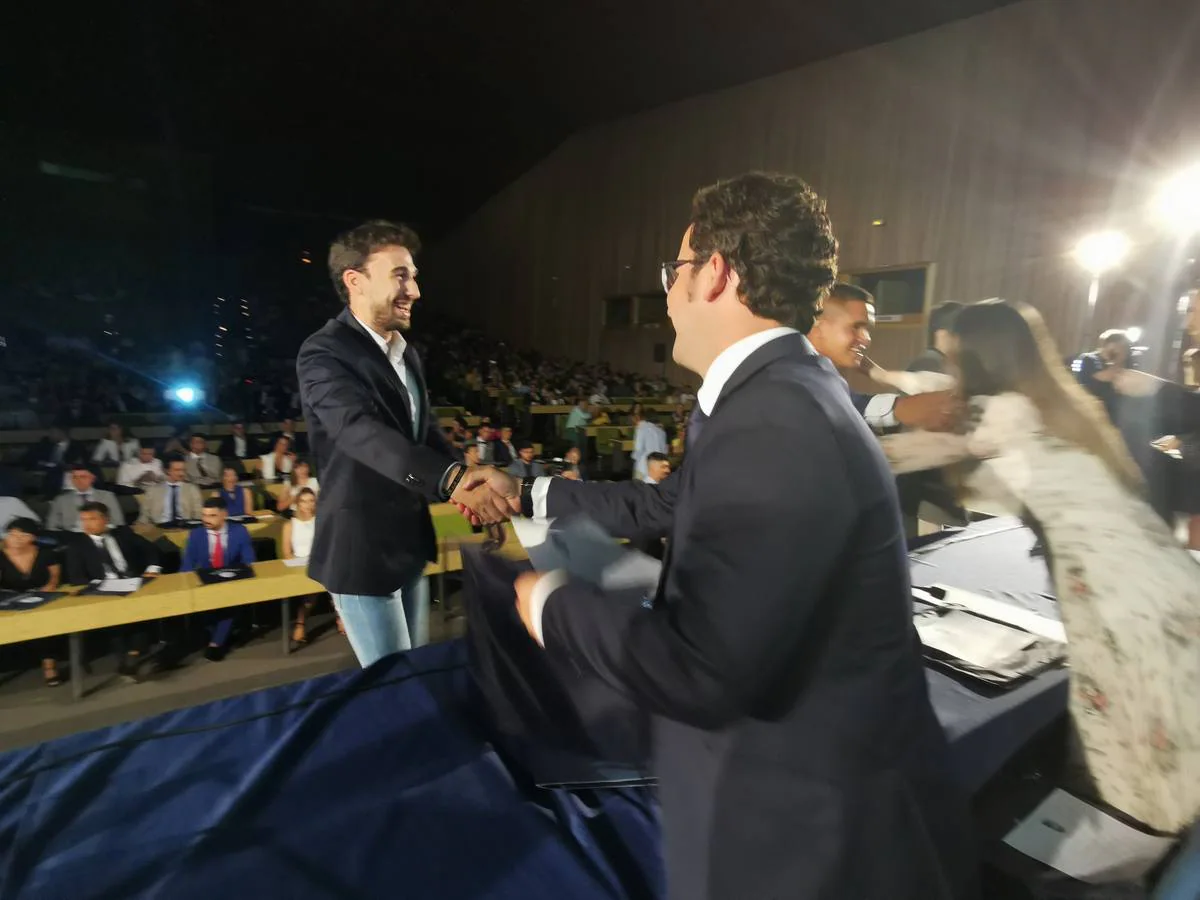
379 448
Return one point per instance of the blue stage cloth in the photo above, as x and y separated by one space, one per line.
364 784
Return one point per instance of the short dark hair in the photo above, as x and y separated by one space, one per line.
216 503
173 458
773 231
942 317
350 249
197 434
25 524
844 290
80 466
95 506
300 493
657 457
523 445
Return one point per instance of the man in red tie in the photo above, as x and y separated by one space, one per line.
220 544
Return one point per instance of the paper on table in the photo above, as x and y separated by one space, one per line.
1000 611
1085 843
585 551
297 562
119 585
975 641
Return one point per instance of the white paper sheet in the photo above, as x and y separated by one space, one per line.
976 641
119 585
999 610
1085 843
296 563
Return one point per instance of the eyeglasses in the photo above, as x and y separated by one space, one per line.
670 272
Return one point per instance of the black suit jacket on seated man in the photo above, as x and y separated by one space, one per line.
377 474
86 563
796 749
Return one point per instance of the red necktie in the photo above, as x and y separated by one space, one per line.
218 554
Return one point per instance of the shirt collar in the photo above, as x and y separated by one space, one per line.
393 349
224 532
728 361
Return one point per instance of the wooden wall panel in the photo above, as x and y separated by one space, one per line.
987 145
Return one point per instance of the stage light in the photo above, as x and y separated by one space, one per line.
1099 252
186 395
1134 334
1178 202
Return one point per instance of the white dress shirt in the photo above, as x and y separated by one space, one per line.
647 438
267 466
212 544
394 351
134 469
109 451
239 446
719 372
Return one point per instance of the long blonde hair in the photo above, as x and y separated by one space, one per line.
1006 347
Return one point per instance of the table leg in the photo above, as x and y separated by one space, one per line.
284 624
75 650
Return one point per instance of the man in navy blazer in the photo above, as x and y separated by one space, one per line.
795 745
219 544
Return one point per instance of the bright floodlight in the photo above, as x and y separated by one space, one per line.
1134 334
1178 202
1099 252
185 394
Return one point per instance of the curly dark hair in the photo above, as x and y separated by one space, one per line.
775 233
350 249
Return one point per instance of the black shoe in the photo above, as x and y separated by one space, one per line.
128 668
214 654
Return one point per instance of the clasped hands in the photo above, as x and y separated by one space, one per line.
487 496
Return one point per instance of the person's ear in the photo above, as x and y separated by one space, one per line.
351 279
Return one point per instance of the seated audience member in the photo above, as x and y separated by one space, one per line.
648 437
658 467
572 468
64 511
220 544
100 553
296 440
525 466
177 444
25 566
54 455
14 508
301 479
485 445
279 461
298 533
142 471
238 501
116 448
239 445
503 451
172 500
203 468
575 430
1127 591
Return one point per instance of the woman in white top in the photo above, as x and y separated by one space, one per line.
279 461
298 534
301 478
117 448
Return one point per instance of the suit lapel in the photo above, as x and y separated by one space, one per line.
377 364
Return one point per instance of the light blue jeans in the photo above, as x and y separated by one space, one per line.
377 626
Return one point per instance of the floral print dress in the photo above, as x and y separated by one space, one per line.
1128 594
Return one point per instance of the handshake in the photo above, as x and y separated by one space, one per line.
487 496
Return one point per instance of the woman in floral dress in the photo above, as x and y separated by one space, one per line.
1128 593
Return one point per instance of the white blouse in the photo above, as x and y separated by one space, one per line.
302 537
109 451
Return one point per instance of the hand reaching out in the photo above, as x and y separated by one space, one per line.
937 411
487 496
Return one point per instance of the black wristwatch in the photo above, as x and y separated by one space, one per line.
527 497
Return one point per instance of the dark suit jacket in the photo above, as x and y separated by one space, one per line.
229 448
500 454
796 748
85 563
239 550
43 450
374 532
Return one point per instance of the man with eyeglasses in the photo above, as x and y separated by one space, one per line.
795 745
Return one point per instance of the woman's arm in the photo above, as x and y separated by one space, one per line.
915 451
913 382
55 578
247 501
286 540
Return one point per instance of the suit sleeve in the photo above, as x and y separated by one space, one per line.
752 566
54 518
191 552
76 562
116 516
149 553
625 509
336 397
249 545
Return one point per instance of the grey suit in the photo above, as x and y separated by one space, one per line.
212 469
191 503
64 510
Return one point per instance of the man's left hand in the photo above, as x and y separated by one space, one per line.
524 585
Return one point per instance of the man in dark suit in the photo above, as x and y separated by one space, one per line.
525 466
299 441
100 552
795 745
53 455
504 452
220 544
238 445
381 453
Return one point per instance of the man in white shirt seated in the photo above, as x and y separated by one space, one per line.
203 468
648 437
141 472
658 467
173 499
64 511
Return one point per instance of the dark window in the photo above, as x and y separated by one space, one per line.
898 292
618 312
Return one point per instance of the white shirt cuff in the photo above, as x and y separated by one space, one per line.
541 488
546 585
880 412
153 570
